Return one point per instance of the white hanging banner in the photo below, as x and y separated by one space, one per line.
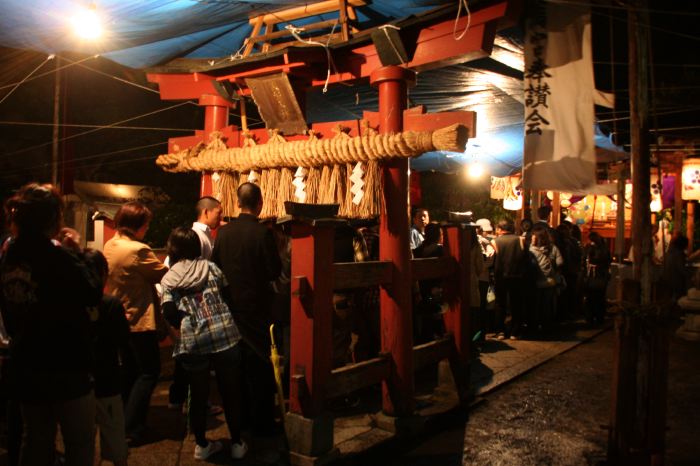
559 152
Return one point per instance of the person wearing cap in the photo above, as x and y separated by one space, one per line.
486 228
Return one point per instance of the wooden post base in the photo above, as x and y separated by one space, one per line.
400 426
309 438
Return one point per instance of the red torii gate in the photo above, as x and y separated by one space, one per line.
315 276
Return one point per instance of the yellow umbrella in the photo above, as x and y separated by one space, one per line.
275 358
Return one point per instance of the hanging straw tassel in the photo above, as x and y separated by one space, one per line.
372 204
338 186
325 193
313 180
286 190
269 185
262 182
227 193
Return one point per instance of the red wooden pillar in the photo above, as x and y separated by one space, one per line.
458 244
395 299
215 119
309 432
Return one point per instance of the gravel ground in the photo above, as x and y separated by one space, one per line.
553 416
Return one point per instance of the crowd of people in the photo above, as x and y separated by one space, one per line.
85 327
555 275
524 282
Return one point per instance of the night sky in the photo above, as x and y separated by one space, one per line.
89 98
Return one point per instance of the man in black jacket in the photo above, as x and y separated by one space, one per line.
245 251
508 272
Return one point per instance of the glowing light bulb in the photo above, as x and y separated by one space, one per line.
475 170
87 24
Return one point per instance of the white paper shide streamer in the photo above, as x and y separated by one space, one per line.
300 184
358 184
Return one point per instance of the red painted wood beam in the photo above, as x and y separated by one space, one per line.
395 299
240 76
182 86
311 317
435 47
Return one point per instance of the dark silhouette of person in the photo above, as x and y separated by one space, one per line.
246 252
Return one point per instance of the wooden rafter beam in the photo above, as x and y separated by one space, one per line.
304 11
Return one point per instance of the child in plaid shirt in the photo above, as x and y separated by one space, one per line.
193 303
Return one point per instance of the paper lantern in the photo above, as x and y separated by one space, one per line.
513 203
691 180
498 187
513 199
562 197
656 204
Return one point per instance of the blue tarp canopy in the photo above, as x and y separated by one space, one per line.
143 33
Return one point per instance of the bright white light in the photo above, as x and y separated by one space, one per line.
87 24
475 170
513 203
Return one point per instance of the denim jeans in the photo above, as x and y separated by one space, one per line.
142 366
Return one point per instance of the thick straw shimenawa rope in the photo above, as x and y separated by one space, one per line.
313 152
329 163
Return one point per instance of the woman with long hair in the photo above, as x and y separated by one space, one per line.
134 270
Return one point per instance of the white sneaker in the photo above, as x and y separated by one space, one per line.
202 453
238 450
